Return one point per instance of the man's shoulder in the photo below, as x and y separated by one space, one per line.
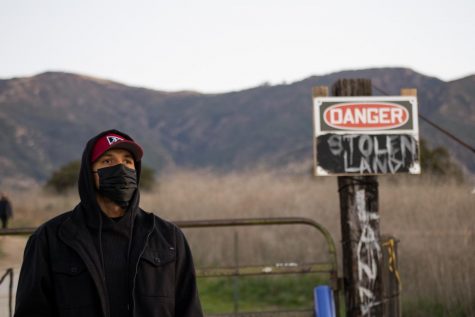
53 223
164 226
163 222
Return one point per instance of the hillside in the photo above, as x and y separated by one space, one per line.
45 120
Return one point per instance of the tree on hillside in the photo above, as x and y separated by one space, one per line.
147 178
437 161
66 177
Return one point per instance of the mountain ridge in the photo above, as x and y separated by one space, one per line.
47 118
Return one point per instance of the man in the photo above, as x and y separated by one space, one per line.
6 211
108 257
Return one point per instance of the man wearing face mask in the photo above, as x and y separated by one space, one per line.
108 257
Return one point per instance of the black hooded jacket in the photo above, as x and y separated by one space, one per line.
63 272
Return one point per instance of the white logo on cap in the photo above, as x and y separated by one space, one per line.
112 139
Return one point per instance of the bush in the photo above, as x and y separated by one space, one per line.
65 178
437 161
147 178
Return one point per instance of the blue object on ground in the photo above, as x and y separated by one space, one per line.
323 299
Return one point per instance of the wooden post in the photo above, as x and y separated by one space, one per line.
360 228
320 91
409 92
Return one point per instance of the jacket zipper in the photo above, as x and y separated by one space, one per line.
137 266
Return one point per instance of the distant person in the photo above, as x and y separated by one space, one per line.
6 211
108 257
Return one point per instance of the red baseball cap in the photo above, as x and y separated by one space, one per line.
115 141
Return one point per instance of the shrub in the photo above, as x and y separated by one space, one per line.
437 161
64 178
147 178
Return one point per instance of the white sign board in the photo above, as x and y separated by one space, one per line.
366 135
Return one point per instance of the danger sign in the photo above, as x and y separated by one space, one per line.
365 116
366 135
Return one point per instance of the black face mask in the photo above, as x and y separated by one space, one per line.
118 183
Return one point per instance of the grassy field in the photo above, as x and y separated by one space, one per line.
257 293
433 220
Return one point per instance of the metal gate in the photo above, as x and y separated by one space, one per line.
329 268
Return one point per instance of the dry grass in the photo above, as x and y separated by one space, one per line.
33 207
434 221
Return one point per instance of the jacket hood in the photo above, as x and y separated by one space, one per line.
87 189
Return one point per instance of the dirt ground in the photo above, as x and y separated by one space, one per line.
11 255
11 251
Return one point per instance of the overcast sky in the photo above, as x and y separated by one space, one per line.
223 45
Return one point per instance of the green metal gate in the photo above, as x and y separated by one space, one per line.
329 268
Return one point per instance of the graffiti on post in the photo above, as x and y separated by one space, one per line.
368 255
